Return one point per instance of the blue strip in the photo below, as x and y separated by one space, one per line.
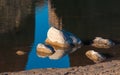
41 29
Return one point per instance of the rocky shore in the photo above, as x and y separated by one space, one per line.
105 68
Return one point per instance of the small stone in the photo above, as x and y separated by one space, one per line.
44 50
19 52
95 56
99 42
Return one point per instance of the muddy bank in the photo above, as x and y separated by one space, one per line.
106 68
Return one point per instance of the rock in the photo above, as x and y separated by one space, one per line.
44 50
56 38
99 42
62 40
19 52
95 56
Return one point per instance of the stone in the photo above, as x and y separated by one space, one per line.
95 56
62 40
100 42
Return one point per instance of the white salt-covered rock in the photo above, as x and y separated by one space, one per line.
95 56
99 42
63 40
44 50
57 55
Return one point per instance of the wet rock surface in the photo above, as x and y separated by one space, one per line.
106 68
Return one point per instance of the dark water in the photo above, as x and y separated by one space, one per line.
86 19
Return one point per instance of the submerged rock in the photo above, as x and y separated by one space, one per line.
99 42
44 50
95 56
62 40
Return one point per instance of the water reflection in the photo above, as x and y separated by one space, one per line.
41 29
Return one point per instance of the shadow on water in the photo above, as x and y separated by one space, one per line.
41 29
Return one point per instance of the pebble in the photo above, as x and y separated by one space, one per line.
19 52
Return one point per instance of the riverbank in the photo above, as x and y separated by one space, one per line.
106 68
